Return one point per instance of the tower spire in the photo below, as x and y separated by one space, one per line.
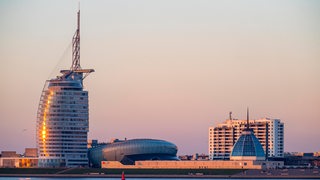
75 67
248 118
76 46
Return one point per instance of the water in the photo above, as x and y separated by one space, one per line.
40 178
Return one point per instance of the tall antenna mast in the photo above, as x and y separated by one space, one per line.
75 67
76 46
248 118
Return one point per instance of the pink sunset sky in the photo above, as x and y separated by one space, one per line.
166 69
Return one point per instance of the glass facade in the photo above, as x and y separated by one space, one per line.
129 151
248 146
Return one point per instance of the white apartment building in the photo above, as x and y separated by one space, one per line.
270 133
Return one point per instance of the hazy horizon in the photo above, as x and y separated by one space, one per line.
166 69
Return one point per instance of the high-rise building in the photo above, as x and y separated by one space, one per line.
222 137
63 116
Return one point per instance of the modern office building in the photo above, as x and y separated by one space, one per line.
63 115
129 151
223 136
10 159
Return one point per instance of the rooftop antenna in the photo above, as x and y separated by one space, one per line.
76 46
230 115
248 118
75 67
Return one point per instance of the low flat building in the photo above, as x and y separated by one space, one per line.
9 154
194 165
18 162
31 152
10 159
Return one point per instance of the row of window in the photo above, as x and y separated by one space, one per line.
67 124
71 149
63 155
64 119
71 102
45 98
71 93
82 128
63 151
68 107
65 144
63 148
239 132
67 132
64 138
52 98
53 110
67 115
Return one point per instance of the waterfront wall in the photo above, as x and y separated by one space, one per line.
194 165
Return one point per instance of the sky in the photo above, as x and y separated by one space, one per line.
166 69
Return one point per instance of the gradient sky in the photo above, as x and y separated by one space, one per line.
166 69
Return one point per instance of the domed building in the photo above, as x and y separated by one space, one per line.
247 147
129 151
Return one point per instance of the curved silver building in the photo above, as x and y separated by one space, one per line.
129 151
63 116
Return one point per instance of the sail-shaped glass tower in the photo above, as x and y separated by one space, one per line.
63 115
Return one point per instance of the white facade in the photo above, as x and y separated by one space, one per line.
222 137
63 124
